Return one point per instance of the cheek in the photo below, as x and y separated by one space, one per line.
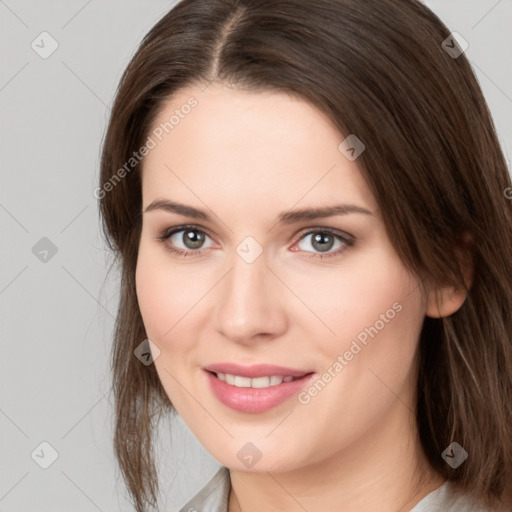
368 295
376 311
370 361
377 342
160 294
169 298
169 302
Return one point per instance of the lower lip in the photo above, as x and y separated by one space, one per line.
255 400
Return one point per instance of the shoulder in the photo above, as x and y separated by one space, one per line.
214 496
448 498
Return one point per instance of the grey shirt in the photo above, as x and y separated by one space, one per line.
214 496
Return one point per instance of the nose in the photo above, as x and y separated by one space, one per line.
250 302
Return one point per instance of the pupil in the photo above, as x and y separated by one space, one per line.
193 239
323 242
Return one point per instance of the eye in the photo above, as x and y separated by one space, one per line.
185 240
190 241
322 241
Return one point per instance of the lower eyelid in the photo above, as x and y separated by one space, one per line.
327 254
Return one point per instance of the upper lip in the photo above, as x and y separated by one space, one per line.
255 370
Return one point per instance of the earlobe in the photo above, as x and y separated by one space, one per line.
445 301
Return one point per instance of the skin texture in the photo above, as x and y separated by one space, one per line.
244 158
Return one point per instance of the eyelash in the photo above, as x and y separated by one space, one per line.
347 240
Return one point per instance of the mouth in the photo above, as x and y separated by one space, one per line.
255 389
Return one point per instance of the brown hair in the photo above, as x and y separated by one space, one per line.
377 69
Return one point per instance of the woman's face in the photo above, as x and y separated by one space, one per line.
283 260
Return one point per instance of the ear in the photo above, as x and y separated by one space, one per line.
445 300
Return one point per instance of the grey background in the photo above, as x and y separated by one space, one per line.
57 315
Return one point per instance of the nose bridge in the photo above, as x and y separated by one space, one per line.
248 304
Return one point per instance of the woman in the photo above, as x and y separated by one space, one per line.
309 205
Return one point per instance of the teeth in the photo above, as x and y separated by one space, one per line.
242 382
259 382
264 382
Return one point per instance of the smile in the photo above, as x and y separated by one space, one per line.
255 394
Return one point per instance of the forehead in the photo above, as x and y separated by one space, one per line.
253 146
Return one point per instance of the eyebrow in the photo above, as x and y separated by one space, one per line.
287 217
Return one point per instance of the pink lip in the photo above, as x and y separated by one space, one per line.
256 400
256 370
